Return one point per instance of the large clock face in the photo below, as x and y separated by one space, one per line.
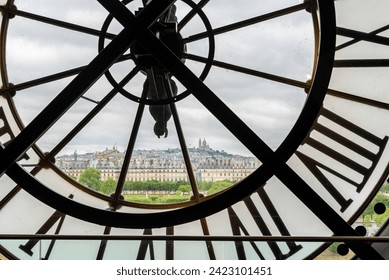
290 95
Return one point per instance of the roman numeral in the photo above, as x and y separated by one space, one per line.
6 134
238 228
358 36
103 244
359 99
148 245
354 63
51 221
208 243
57 216
339 138
362 36
170 244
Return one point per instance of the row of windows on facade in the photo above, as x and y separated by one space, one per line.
104 172
206 175
216 165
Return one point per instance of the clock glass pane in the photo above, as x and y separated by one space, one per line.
217 122
256 60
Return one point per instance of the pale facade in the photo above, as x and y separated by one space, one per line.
167 166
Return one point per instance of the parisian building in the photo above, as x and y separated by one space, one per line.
208 165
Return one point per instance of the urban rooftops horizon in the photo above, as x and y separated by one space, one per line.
203 145
207 164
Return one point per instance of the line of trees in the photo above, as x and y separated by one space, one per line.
91 178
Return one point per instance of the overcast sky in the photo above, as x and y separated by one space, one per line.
283 46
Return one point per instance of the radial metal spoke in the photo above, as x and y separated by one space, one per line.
249 71
51 78
89 99
4 201
191 14
90 116
181 138
43 80
127 158
251 21
128 155
58 23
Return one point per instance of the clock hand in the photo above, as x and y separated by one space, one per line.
155 87
156 75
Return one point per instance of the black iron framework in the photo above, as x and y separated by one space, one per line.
113 49
271 159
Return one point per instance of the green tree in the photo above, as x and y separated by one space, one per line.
183 189
385 188
152 186
219 186
204 186
334 247
108 186
91 178
381 219
369 215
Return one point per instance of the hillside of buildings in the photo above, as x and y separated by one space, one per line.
208 164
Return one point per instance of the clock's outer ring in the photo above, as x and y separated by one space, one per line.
306 119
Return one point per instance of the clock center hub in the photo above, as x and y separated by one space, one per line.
160 87
167 32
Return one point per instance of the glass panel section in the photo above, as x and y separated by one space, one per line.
154 142
213 154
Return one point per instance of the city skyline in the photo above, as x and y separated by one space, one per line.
207 164
202 142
